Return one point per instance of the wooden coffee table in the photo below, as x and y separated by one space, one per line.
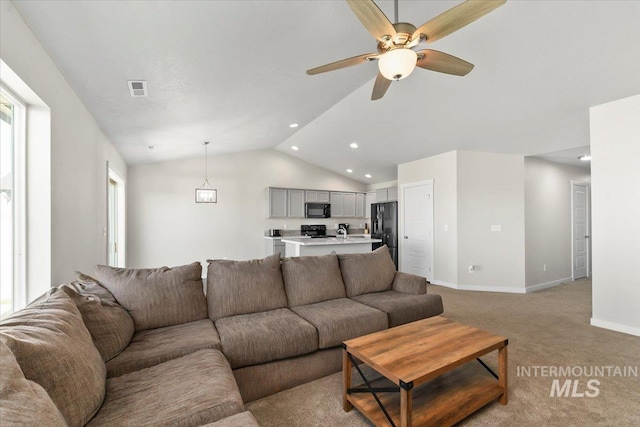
427 378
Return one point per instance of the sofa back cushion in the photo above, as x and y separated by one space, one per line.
110 326
55 350
312 279
370 272
157 297
88 285
24 402
243 287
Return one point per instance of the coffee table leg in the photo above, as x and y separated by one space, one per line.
406 400
346 380
502 373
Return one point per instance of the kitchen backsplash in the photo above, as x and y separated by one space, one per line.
330 231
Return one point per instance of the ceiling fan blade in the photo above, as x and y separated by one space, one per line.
380 87
456 18
442 62
343 63
374 20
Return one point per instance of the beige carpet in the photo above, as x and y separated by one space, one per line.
546 328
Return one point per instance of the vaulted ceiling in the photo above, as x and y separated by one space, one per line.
233 73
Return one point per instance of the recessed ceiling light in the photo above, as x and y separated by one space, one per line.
349 170
293 125
585 157
367 176
353 145
294 147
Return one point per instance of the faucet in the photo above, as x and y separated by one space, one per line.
342 231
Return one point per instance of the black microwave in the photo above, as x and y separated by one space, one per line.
317 210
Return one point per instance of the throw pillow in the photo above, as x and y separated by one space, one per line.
312 279
88 285
109 324
370 272
157 297
242 287
54 349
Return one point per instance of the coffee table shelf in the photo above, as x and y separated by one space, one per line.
467 389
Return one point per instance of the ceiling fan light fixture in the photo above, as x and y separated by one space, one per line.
397 64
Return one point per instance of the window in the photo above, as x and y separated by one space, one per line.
12 204
116 220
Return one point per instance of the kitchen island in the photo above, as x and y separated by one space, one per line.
326 245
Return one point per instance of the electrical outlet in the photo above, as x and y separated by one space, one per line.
544 267
472 269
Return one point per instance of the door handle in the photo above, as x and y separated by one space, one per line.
586 237
406 237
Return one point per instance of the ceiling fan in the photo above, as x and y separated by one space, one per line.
396 56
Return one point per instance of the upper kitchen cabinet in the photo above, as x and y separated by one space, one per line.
317 196
350 205
295 203
360 205
285 203
387 195
277 203
370 198
337 204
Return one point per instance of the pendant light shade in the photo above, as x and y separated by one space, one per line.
206 193
397 64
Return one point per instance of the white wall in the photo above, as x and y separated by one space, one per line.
442 169
166 226
79 152
491 192
615 189
548 220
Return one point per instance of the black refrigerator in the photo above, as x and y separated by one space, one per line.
384 225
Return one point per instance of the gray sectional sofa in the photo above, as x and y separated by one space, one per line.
146 347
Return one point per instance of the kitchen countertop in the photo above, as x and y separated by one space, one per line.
350 240
307 237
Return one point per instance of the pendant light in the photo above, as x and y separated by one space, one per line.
206 193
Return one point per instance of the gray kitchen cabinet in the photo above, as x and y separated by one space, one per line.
381 195
360 206
370 199
295 202
349 205
274 246
392 194
337 204
317 196
277 202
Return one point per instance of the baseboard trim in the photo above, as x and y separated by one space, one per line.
541 286
509 290
618 327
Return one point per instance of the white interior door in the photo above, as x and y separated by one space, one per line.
417 238
580 230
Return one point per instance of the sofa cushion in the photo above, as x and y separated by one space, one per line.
403 308
109 324
341 319
154 346
243 287
243 419
157 297
54 348
24 402
249 339
369 272
88 285
189 391
311 279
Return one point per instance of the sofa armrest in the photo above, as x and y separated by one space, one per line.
409 283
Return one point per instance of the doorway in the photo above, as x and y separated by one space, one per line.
580 229
416 253
115 219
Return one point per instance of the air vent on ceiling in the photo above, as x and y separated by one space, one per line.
138 88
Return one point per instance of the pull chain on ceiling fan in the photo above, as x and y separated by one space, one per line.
396 56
